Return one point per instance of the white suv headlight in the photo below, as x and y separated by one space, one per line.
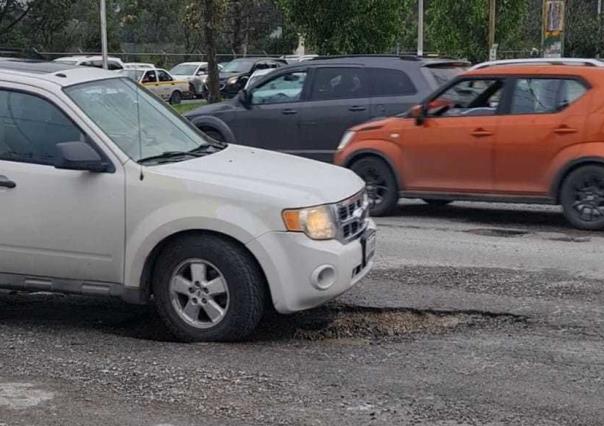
317 223
345 140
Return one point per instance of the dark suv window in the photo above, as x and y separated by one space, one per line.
542 95
389 82
31 127
339 83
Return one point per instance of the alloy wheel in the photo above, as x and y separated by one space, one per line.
589 199
199 293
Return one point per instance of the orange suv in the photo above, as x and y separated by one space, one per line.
515 133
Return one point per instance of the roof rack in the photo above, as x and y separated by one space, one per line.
319 58
541 61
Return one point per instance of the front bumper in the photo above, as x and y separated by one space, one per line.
291 260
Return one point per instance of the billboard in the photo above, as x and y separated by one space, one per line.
553 28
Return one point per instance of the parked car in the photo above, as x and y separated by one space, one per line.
540 61
109 192
138 65
195 73
160 83
113 63
256 76
514 133
234 75
305 108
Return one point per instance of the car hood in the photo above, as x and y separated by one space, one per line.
281 180
374 124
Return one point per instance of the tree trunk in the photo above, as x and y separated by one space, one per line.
210 27
236 11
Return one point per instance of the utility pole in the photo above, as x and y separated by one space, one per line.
420 28
492 21
104 33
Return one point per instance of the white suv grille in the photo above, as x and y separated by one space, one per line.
352 216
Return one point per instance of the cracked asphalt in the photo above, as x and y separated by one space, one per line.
474 314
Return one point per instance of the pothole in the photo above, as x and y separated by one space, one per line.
495 232
338 321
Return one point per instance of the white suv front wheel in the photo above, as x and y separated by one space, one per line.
208 288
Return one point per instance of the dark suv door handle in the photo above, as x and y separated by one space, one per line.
289 111
6 182
356 108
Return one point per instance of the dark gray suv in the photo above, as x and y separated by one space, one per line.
305 108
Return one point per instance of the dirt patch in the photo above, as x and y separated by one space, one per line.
338 321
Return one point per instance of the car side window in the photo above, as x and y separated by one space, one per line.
543 96
31 127
112 66
150 77
389 82
339 83
283 89
472 97
164 76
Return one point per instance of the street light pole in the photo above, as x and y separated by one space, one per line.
104 33
420 28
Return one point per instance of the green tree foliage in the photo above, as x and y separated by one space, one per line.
582 38
460 28
346 26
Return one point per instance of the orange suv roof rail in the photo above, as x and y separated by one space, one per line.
541 61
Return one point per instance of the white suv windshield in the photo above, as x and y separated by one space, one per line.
184 69
139 123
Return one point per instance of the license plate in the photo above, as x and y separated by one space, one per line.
368 246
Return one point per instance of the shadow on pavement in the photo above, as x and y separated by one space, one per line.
489 215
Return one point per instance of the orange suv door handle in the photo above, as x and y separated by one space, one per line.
480 133
564 130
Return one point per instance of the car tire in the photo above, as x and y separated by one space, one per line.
207 288
582 197
381 184
437 203
176 98
215 134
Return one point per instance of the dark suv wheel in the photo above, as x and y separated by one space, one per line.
208 288
582 197
381 184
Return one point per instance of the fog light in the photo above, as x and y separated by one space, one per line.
323 277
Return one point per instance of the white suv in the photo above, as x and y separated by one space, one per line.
107 191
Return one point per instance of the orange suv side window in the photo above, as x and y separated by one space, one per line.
473 97
543 95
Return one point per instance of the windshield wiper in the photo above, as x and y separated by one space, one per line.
209 148
168 155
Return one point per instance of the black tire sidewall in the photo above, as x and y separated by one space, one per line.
243 279
176 98
567 197
391 201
